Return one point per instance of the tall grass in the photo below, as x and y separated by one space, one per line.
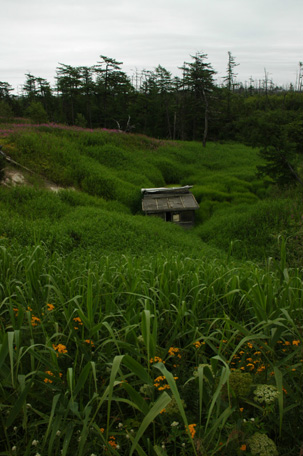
162 353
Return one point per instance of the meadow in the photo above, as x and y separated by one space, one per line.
122 334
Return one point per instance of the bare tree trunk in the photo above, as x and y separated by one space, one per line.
205 118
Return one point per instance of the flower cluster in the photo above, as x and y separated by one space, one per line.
265 394
156 359
60 348
198 344
158 383
174 351
78 322
261 445
191 429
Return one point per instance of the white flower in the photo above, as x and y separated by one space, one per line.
252 419
37 454
58 433
14 448
174 423
35 442
118 447
120 425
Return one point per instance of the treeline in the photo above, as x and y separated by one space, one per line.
190 107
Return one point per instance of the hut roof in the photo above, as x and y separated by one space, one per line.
168 199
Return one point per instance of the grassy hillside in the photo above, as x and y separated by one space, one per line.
107 169
121 334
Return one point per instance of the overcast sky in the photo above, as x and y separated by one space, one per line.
37 35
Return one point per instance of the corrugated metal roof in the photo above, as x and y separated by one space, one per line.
169 200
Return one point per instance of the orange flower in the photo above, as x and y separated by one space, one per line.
35 320
156 359
102 430
48 380
243 447
197 344
89 342
191 429
60 348
241 409
112 442
295 342
50 307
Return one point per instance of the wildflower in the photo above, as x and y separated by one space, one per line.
112 442
241 409
90 342
58 433
16 310
174 424
35 442
35 320
78 321
156 359
120 425
191 430
285 391
260 444
286 342
295 342
48 380
162 411
265 394
50 307
60 348
102 430
243 447
14 448
174 351
197 344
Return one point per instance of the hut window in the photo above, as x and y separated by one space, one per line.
176 218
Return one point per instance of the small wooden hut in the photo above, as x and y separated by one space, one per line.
175 204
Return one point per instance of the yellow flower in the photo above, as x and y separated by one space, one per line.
197 344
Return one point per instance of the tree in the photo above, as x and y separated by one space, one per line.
279 135
36 112
230 81
198 76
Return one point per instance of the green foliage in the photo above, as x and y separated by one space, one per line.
250 230
83 341
37 113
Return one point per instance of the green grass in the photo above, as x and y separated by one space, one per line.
122 334
93 359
